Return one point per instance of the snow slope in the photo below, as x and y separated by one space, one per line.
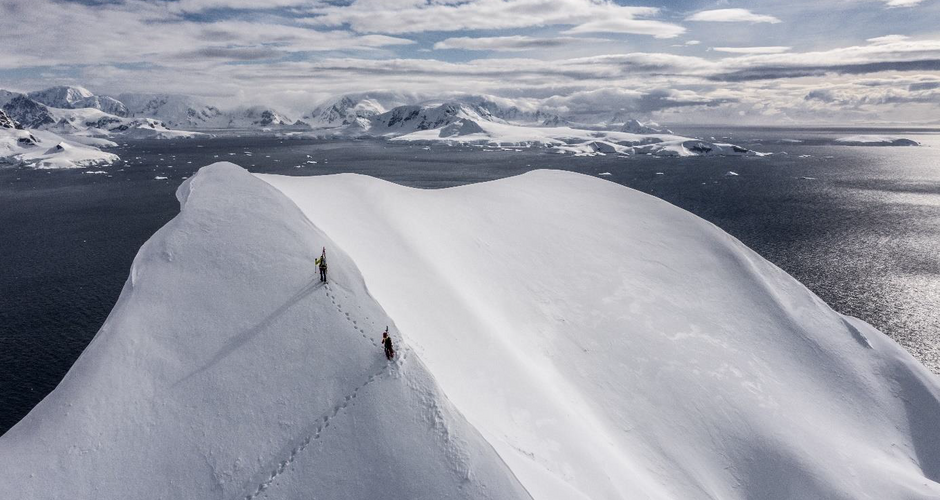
592 342
227 370
571 140
611 345
44 149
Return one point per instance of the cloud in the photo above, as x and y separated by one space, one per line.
731 16
295 52
903 3
885 55
138 32
608 101
752 50
416 16
850 96
634 26
824 95
509 43
196 6
888 39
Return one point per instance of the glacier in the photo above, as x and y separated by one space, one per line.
559 336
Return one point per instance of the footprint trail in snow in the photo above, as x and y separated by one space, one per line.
314 431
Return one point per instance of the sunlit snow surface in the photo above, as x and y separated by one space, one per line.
43 149
559 335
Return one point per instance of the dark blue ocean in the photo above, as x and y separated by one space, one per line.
860 226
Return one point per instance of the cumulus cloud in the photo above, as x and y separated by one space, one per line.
731 16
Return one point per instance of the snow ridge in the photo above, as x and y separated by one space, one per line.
230 367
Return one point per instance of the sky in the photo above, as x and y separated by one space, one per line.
768 62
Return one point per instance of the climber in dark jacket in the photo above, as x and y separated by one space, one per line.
387 342
321 262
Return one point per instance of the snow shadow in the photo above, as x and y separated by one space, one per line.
923 415
239 340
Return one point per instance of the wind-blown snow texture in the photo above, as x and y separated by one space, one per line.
593 342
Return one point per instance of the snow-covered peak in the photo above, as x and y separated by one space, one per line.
107 104
78 98
634 126
258 116
177 111
509 112
344 111
412 118
227 370
62 97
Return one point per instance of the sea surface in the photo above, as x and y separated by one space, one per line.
859 226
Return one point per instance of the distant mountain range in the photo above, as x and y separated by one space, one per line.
83 122
71 108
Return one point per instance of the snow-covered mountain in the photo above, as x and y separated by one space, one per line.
44 149
254 117
351 109
76 98
472 120
405 119
344 111
186 112
61 97
510 113
177 111
637 127
558 337
456 122
26 111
